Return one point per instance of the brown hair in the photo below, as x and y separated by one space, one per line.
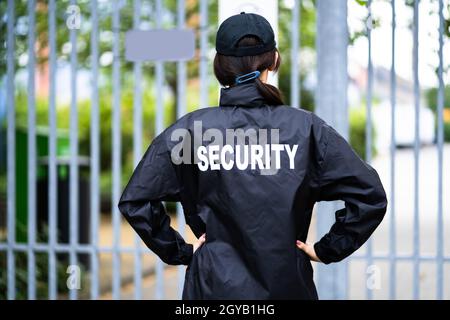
227 68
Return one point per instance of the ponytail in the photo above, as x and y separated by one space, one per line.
271 94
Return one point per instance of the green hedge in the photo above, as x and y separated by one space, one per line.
431 98
358 132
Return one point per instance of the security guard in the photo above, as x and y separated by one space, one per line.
255 217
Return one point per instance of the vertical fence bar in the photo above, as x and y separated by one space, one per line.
159 76
295 47
440 139
331 105
31 151
116 165
137 140
95 153
73 195
204 83
159 125
11 152
73 188
52 180
392 231
416 253
181 110
369 256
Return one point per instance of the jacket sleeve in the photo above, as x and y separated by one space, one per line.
343 175
154 180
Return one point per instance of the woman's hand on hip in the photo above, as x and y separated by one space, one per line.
198 243
309 250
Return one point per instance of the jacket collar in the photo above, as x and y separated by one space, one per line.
246 94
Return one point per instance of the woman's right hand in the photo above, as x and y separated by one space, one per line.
309 250
197 244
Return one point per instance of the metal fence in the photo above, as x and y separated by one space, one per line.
73 248
393 257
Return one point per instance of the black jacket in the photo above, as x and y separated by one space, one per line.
252 220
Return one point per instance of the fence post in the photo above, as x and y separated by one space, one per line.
137 146
159 128
95 154
440 142
416 232
181 110
11 152
204 81
392 226
31 149
295 53
331 105
116 151
369 257
52 166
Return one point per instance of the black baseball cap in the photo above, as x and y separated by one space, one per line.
234 28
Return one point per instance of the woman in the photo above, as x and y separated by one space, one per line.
252 198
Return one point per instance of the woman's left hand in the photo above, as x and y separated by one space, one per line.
309 250
199 242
